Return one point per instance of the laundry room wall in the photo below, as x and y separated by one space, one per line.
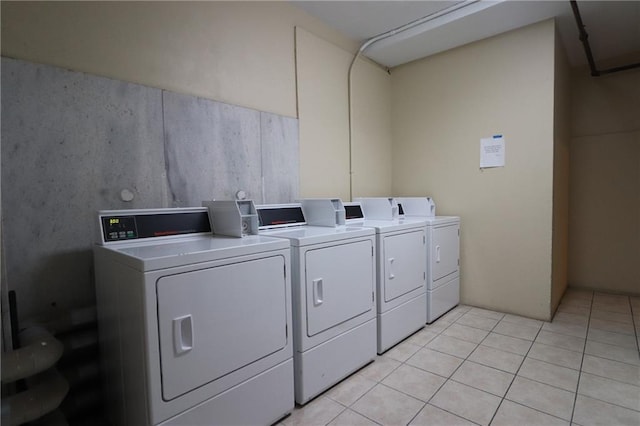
372 140
174 70
561 158
604 226
441 107
241 53
327 160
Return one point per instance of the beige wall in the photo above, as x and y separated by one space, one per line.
372 141
441 107
604 227
323 107
321 68
561 156
236 52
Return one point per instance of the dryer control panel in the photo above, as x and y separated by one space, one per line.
126 225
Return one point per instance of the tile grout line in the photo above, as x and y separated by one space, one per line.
379 382
446 378
586 339
515 375
635 327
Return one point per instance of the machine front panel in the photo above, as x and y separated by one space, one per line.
404 263
445 249
339 284
214 321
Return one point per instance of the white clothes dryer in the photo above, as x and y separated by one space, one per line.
334 308
443 255
194 328
401 270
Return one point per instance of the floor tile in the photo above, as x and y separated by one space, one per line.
431 415
484 378
612 316
437 327
624 340
593 412
465 308
402 351
568 318
451 316
615 370
351 418
496 358
487 313
571 343
516 330
507 343
610 298
435 362
557 356
547 370
477 321
610 391
452 346
564 328
616 353
619 308
415 382
550 374
319 411
577 302
539 396
467 402
348 391
422 337
612 326
379 369
466 333
387 406
529 322
510 414
573 309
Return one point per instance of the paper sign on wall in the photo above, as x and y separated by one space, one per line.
492 152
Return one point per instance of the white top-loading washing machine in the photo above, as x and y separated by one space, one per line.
334 308
443 255
194 328
401 268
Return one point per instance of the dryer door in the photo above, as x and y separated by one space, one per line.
339 284
404 267
214 321
445 250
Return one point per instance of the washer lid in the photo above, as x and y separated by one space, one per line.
383 226
187 251
306 235
436 220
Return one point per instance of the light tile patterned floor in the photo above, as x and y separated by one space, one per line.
475 366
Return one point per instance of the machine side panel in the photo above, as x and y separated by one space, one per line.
122 339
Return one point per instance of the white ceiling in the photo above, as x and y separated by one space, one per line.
613 26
